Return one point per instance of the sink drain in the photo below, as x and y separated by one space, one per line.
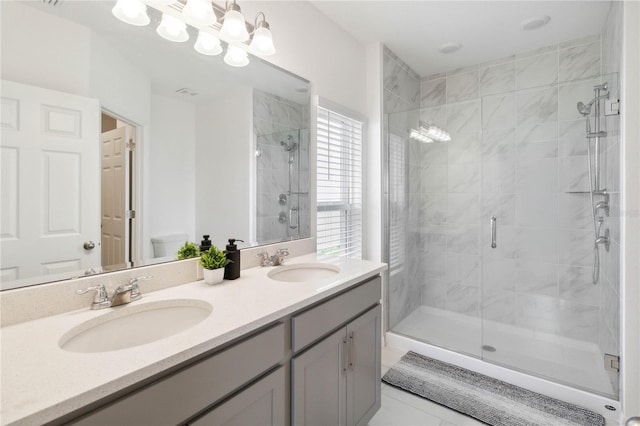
488 348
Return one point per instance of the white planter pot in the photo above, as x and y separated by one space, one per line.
213 276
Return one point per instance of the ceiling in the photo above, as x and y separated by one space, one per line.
487 30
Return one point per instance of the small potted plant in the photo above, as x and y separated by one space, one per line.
213 261
188 250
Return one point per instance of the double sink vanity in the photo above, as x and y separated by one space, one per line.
293 344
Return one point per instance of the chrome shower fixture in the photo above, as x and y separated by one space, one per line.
594 173
289 146
586 109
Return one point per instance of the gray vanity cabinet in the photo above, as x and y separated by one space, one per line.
262 403
180 396
336 381
319 366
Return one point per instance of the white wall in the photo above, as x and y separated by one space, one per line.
61 62
170 174
223 144
373 156
314 47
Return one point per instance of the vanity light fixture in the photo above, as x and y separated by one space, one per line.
207 44
199 12
262 41
236 57
132 12
419 136
204 15
233 25
172 29
428 133
434 132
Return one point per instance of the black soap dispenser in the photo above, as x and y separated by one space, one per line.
205 244
232 270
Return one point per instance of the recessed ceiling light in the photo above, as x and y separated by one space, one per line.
449 47
535 22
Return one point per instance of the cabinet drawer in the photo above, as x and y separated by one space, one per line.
320 320
179 396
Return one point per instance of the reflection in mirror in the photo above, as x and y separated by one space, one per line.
117 145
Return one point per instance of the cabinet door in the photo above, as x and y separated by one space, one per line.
319 383
262 403
363 378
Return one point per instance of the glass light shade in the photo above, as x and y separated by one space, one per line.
199 12
236 57
208 44
132 12
262 42
234 27
172 29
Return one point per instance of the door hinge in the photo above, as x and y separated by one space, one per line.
130 214
131 145
611 362
612 107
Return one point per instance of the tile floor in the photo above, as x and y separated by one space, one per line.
400 408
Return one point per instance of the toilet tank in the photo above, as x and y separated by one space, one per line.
168 245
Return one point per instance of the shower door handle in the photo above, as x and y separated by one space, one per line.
493 232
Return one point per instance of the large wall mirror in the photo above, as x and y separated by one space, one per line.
118 145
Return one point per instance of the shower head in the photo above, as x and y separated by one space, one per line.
586 109
289 146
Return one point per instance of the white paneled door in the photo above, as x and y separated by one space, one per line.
50 156
114 184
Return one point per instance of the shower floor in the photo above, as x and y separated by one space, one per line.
560 359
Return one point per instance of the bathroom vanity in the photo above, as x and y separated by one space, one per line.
269 352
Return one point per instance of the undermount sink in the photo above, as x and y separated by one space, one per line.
135 325
303 272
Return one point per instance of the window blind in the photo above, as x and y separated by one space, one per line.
339 183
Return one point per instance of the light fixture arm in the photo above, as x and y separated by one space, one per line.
261 24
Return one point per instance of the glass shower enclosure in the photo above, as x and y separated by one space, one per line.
495 237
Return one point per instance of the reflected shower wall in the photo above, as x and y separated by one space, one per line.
282 168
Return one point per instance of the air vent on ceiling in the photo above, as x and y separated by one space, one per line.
52 2
187 91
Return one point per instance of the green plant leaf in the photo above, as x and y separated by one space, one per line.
188 250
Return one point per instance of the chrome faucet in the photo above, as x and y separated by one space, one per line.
275 260
122 295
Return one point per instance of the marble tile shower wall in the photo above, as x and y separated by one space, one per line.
274 120
518 148
401 93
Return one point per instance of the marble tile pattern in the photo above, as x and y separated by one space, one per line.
518 146
275 120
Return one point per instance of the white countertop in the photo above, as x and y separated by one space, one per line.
41 382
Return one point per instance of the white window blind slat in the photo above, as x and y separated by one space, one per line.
339 184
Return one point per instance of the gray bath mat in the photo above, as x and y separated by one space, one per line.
489 400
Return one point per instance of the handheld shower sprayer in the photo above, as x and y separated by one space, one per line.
586 109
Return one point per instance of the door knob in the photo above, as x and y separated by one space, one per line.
89 245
